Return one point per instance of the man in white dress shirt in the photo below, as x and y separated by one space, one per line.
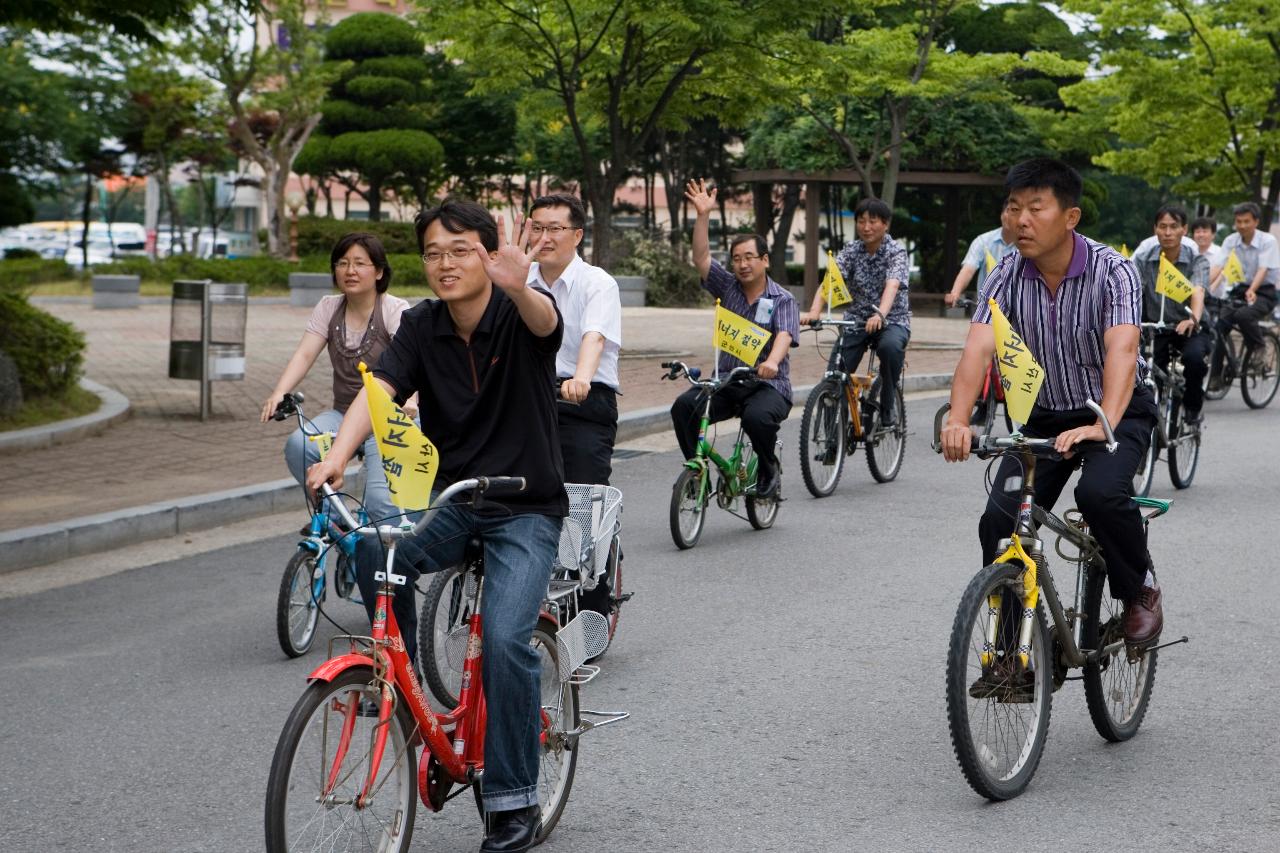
997 243
1259 257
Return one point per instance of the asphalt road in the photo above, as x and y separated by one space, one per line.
786 686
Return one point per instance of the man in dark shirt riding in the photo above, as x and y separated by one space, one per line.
481 358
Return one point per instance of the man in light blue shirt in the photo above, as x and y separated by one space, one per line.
998 242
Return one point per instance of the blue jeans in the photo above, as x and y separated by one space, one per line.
518 553
300 454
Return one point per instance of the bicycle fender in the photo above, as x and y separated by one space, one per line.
694 464
310 544
332 668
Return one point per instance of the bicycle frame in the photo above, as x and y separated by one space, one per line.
855 385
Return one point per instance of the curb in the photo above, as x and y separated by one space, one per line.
114 408
27 547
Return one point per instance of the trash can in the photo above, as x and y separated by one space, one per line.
206 334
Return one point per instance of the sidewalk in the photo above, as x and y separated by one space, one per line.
163 452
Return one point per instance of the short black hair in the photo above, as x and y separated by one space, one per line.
1204 222
372 245
577 213
875 208
1064 181
458 215
1247 207
762 248
1175 210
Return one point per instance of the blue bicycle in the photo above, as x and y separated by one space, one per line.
303 589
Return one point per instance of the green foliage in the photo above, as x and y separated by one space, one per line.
371 34
17 273
261 274
48 352
18 253
133 19
318 235
673 282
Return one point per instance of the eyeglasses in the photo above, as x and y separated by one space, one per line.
552 230
745 259
359 266
453 254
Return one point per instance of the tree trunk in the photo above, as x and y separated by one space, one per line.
85 214
762 208
1273 197
374 198
277 221
782 233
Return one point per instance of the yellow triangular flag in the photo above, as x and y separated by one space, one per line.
738 336
409 459
991 261
1172 283
1019 373
1124 249
323 441
1232 269
834 289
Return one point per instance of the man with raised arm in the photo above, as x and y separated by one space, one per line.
481 358
748 292
1077 305
875 267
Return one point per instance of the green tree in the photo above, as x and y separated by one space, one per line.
133 19
373 136
273 93
637 65
1188 96
35 117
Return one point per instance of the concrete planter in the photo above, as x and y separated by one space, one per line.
631 290
116 291
306 288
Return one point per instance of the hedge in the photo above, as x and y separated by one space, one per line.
260 273
48 352
24 272
317 235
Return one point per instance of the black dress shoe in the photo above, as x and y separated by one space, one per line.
512 831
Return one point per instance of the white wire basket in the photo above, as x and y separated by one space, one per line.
587 531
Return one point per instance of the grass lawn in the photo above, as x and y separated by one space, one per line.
77 287
44 410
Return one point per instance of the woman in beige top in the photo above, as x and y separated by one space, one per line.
354 326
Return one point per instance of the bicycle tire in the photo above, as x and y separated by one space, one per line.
1113 683
762 512
994 714
297 613
1146 473
1259 388
822 453
558 757
295 788
688 508
1184 451
886 451
1228 377
446 608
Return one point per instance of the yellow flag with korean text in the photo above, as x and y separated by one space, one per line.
1020 376
991 261
409 459
834 289
323 442
1124 249
1232 269
738 336
1171 282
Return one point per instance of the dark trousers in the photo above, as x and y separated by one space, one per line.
760 406
891 348
587 433
1104 493
1194 351
1245 318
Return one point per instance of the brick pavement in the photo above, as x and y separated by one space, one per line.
164 452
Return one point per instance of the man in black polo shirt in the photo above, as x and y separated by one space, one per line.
482 360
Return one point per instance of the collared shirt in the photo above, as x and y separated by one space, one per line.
1156 307
1262 251
488 405
989 241
866 274
1065 330
1153 240
723 285
588 300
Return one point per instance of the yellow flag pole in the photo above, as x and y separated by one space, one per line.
715 341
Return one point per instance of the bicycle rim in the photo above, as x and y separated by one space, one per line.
886 448
304 811
297 613
688 508
998 712
443 626
558 755
1260 376
1184 453
822 443
1116 689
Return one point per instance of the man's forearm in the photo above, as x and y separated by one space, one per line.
702 244
777 352
1118 371
589 356
356 425
962 279
536 310
966 383
886 299
1257 279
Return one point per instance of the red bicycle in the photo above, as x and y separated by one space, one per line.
346 773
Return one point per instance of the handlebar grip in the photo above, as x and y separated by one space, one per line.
499 484
937 426
667 365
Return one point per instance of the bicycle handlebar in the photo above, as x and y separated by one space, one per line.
986 446
479 485
289 405
676 369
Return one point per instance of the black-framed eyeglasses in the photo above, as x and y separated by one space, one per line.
453 254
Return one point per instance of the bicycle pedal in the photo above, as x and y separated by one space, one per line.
622 599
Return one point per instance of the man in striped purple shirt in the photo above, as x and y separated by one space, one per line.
1078 306
748 292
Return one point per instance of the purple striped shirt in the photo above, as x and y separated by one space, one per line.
786 318
1065 330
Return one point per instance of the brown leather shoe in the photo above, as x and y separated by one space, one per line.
1143 618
